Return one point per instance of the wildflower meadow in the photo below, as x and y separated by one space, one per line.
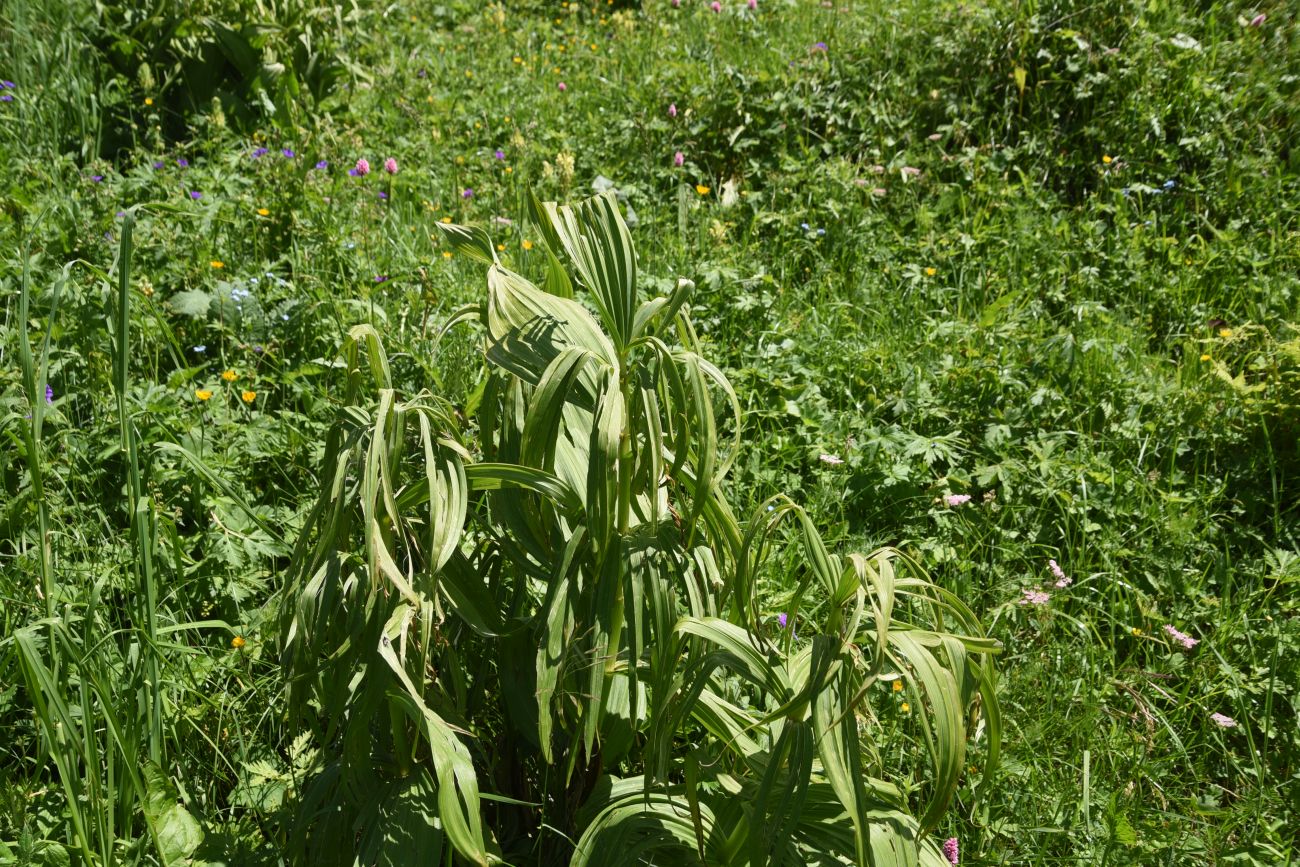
675 432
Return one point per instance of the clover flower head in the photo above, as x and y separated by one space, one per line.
672 109
362 168
390 166
715 6
679 159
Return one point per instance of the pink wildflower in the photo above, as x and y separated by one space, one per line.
1062 580
679 159
1258 20
562 86
752 4
833 460
950 850
1226 721
715 6
1034 596
677 3
390 166
672 109
1185 640
363 166
957 499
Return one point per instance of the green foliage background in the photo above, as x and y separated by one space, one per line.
1042 254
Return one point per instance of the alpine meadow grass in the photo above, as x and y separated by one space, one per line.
583 433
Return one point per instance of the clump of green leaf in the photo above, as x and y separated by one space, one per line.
545 631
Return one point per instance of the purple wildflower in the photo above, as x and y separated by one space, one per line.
381 278
258 153
8 85
390 166
467 193
820 46
196 195
183 163
158 164
97 178
323 165
1226 721
49 393
383 195
957 499
6 97
1182 638
1034 596
783 619
950 850
288 154
500 154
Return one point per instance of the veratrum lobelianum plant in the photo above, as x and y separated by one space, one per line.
536 639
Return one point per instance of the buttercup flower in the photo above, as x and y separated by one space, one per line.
229 375
237 642
263 212
217 263
202 393
527 245
701 189
248 396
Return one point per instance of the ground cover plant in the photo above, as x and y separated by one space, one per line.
1004 292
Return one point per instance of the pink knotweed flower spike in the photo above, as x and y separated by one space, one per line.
1226 721
957 499
1182 638
950 850
1034 596
1062 580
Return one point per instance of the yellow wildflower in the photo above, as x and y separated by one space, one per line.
701 189
1105 158
906 708
203 393
446 254
148 100
930 272
446 219
237 642
263 212
528 245
1136 631
217 263
898 686
229 375
501 248
1225 333
248 396
1205 356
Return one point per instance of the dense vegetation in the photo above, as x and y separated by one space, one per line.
1002 292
